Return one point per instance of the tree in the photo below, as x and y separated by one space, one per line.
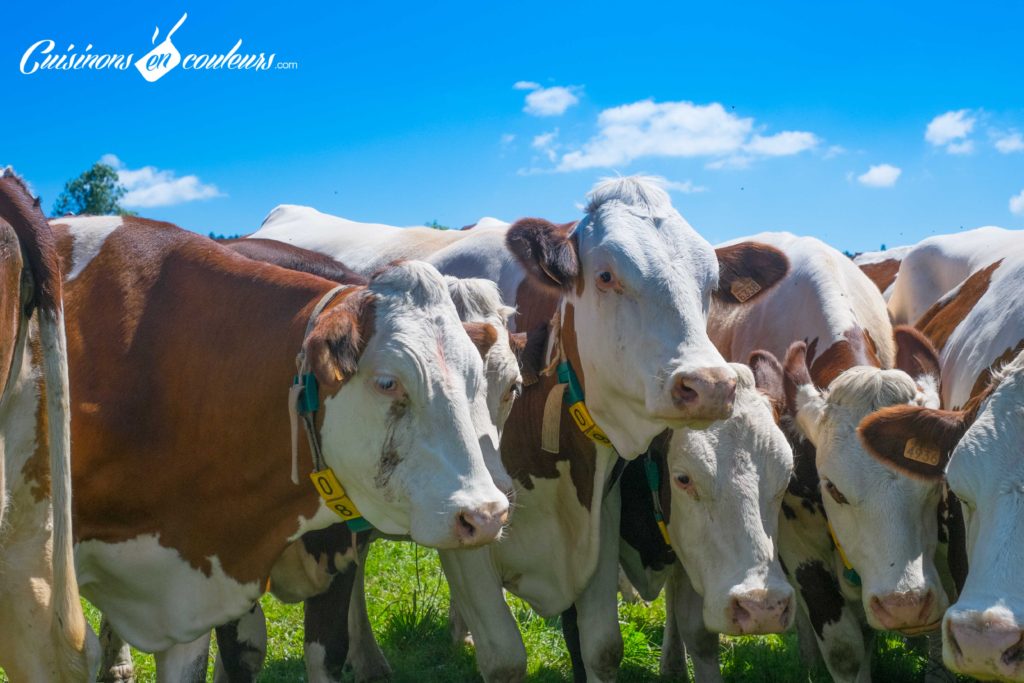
436 226
97 192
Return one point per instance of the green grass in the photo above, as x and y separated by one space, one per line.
408 604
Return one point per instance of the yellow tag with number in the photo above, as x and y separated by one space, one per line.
581 416
330 489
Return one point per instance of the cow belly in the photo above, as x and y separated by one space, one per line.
551 550
153 598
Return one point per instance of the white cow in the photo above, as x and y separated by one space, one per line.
627 290
937 264
977 449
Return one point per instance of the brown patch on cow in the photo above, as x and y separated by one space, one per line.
913 440
36 470
945 315
181 353
915 354
882 273
520 444
856 348
20 210
11 295
748 269
985 378
294 258
483 336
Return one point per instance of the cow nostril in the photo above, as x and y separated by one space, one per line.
466 528
740 614
682 394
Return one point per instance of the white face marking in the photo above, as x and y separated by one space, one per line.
88 235
886 523
405 474
153 597
727 487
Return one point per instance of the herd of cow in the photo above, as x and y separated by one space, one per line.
768 430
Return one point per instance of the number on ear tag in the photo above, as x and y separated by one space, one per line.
743 288
333 493
921 452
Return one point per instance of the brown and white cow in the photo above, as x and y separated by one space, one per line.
182 354
937 264
881 267
44 635
976 448
627 289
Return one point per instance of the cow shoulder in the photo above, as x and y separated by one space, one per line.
748 269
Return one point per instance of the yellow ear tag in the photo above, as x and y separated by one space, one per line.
743 288
330 489
581 416
920 452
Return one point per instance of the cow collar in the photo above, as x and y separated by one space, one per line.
849 573
654 483
303 404
567 391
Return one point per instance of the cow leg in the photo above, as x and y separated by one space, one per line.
571 633
807 641
364 654
934 670
184 663
116 662
477 591
597 606
685 607
327 629
241 648
457 628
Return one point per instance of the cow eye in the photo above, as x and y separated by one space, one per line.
514 392
836 494
685 482
388 385
606 280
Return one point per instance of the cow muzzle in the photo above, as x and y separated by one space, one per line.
703 395
480 525
760 611
910 612
985 645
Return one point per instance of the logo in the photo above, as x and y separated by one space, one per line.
161 59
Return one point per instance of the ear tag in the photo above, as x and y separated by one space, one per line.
743 288
333 493
918 451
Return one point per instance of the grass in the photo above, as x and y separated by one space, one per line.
408 604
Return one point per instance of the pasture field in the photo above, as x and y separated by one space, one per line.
408 603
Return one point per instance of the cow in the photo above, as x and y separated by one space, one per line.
882 266
974 447
937 264
619 300
182 353
45 636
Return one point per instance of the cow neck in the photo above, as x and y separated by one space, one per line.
303 406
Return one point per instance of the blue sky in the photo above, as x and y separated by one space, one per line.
761 115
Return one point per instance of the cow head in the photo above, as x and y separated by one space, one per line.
405 410
486 320
640 280
886 525
978 449
727 484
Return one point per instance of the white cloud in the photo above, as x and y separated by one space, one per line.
1007 143
553 101
833 151
882 175
150 186
680 129
684 187
950 130
1017 204
545 142
526 85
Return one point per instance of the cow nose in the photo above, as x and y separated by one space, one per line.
477 526
704 394
758 612
904 610
985 645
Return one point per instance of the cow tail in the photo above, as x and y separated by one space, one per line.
78 648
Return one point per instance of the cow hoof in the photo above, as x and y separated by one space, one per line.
367 672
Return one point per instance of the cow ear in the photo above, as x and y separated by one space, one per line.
483 336
913 440
803 400
915 355
338 339
747 269
546 250
768 378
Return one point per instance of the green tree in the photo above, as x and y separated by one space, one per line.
436 226
96 192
